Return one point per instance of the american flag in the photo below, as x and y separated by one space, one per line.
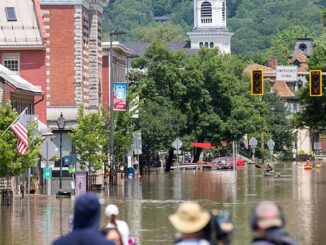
19 128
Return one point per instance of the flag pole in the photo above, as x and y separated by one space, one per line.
13 122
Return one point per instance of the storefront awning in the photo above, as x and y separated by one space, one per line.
202 145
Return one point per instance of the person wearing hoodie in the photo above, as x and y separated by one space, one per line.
268 222
86 223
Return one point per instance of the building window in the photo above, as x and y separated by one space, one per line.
201 44
11 62
223 11
206 12
10 13
206 44
211 45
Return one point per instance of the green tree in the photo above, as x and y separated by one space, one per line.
313 106
164 32
12 163
90 140
283 43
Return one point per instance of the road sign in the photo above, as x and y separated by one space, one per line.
69 159
50 164
137 143
47 173
271 144
48 149
253 142
177 144
286 73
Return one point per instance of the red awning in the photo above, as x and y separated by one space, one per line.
202 145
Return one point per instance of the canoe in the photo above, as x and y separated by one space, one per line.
307 167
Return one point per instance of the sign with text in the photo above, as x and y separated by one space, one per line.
47 173
286 73
120 96
80 183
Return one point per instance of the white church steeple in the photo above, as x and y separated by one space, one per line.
210 28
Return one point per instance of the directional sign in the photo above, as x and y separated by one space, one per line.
47 173
69 159
48 149
253 142
177 144
271 144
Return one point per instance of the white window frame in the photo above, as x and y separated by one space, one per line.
12 57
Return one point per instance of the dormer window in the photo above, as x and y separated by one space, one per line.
10 13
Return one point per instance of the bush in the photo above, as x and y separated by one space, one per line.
286 155
304 157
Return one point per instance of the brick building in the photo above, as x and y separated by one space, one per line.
22 48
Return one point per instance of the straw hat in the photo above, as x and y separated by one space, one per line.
189 218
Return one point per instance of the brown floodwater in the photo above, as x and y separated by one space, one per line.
145 204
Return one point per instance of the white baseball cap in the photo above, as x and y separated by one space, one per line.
111 209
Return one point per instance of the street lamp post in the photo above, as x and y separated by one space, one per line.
61 126
111 156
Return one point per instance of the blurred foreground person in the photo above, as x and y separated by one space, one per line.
192 222
268 222
112 234
112 213
86 222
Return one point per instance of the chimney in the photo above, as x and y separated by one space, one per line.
272 63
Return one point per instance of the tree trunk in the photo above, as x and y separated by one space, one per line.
169 161
197 154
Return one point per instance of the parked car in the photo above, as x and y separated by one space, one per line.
226 163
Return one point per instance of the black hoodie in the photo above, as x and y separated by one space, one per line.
86 222
275 236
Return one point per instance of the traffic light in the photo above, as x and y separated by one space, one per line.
257 82
316 83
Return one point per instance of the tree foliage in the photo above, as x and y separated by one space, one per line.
90 140
12 163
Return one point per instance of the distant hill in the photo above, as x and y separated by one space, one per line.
254 22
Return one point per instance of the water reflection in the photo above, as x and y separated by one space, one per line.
146 203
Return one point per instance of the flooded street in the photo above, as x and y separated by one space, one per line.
145 204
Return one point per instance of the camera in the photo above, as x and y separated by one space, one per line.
221 227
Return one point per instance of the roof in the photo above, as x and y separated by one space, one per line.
24 27
116 46
256 66
298 56
17 81
139 48
282 89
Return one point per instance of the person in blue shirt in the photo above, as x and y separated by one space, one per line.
86 223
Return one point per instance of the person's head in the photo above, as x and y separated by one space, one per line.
190 220
266 215
111 211
112 234
87 212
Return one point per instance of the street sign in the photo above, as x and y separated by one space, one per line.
271 144
48 149
69 159
286 73
137 143
47 173
177 144
253 142
50 164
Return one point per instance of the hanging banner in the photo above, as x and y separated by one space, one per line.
120 96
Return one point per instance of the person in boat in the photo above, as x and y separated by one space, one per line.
307 164
268 168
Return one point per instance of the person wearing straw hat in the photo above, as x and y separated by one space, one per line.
192 222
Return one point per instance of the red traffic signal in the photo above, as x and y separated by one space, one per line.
257 82
316 83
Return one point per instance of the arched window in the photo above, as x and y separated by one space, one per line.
201 44
206 44
206 12
211 45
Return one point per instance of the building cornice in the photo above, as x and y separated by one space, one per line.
117 46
